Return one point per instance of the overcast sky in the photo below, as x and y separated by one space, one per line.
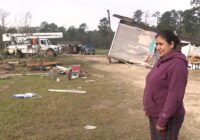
74 12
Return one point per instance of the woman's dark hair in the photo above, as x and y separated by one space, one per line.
169 36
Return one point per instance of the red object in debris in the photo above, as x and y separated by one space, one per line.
76 68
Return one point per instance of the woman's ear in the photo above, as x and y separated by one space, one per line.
172 45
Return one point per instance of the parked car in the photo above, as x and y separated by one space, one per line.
88 49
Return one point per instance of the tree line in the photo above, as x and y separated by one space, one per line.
185 23
99 38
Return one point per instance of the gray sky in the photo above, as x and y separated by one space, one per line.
74 12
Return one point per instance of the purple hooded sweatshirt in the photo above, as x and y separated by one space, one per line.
165 88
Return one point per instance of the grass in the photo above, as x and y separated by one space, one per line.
61 116
111 105
102 51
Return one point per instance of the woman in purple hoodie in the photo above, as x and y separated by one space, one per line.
165 88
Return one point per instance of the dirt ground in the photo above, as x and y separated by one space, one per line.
113 103
132 76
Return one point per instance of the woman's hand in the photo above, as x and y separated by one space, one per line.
159 128
146 59
146 114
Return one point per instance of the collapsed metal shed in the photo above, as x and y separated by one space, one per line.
131 43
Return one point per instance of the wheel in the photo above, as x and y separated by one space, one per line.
19 54
50 53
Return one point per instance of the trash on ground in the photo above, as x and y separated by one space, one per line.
74 72
90 127
98 75
89 81
3 77
40 65
27 95
24 74
15 62
35 74
58 80
53 73
62 69
82 74
84 77
7 67
67 91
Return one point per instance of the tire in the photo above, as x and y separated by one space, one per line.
50 53
19 54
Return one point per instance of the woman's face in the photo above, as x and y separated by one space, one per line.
163 47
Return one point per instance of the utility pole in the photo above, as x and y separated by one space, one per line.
110 34
110 31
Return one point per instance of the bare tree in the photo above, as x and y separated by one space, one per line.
27 22
146 17
3 15
157 16
22 22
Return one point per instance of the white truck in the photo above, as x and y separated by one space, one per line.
32 43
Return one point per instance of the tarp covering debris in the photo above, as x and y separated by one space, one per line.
190 50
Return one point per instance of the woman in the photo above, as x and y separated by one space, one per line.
165 88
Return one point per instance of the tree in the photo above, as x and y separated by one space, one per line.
103 38
45 27
195 2
138 16
11 30
3 15
191 24
72 33
171 20
82 27
53 27
104 26
157 16
165 21
27 22
176 20
146 17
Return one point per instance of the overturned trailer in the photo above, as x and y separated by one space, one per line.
131 42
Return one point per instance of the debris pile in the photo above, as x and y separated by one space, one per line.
194 62
53 74
41 65
7 67
194 59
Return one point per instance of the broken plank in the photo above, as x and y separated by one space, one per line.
68 91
